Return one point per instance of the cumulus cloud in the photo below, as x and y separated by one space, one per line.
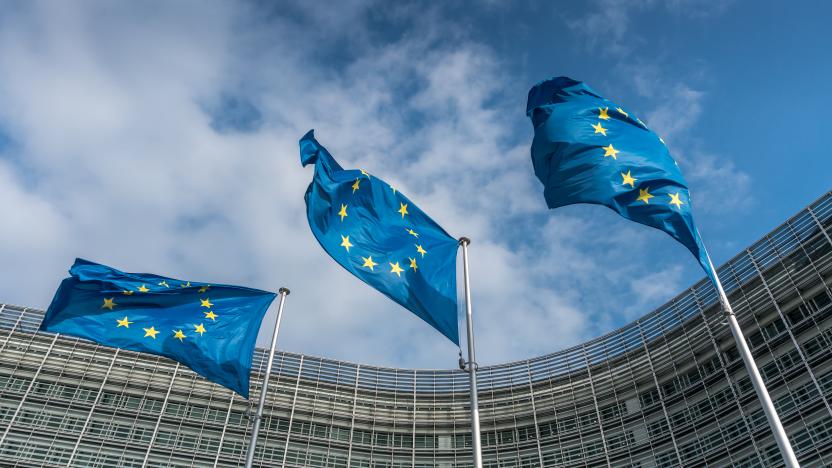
164 139
722 187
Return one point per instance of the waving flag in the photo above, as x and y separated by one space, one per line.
210 328
380 236
588 149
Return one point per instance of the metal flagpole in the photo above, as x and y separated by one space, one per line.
472 360
757 381
250 454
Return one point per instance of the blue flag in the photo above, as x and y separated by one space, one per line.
588 149
380 236
210 328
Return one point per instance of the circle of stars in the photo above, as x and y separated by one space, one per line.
627 178
368 263
151 331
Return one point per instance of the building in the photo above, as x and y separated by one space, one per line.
666 390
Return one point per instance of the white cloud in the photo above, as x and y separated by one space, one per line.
721 187
656 285
607 27
699 9
109 109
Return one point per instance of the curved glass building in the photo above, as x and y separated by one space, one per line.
666 390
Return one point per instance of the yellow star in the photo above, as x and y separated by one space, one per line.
369 263
420 250
363 172
395 268
610 151
600 129
204 288
179 334
602 113
108 303
413 263
403 209
211 315
644 195
412 232
151 332
674 200
199 329
164 283
621 111
356 185
343 212
143 288
123 322
345 243
628 179
205 303
185 285
127 292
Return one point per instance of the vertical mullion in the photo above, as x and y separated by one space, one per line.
92 409
352 418
597 410
659 392
28 390
724 365
789 328
534 413
161 414
292 413
224 428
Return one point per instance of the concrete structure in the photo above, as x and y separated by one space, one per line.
666 390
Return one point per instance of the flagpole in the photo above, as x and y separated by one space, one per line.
283 292
472 360
774 422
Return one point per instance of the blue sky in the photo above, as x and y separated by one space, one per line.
163 138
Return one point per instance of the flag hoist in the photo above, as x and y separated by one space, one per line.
588 149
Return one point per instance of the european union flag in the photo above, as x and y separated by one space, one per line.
380 236
587 149
210 328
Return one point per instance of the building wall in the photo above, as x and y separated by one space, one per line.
666 390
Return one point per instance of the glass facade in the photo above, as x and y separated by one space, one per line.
666 390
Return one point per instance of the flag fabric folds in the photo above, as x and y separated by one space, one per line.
210 328
380 236
588 149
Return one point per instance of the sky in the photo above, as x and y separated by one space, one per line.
162 137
